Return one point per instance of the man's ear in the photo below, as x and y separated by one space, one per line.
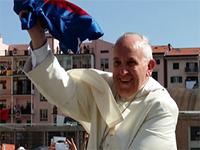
151 66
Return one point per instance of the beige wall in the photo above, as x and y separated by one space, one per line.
159 68
178 72
95 47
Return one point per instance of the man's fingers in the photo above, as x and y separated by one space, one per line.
22 12
74 145
68 141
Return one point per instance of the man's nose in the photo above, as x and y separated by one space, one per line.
124 69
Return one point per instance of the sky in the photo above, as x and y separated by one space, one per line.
163 21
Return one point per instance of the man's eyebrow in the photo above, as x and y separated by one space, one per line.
131 58
115 58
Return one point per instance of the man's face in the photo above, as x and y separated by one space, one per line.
131 70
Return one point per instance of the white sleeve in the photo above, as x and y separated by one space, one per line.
38 55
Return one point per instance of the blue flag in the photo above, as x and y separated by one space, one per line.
66 22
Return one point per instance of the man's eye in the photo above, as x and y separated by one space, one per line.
131 63
117 63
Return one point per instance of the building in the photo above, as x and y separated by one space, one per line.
160 70
3 47
180 70
177 69
183 65
18 93
27 107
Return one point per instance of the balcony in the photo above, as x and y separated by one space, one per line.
10 72
25 112
21 92
15 92
20 72
191 70
191 82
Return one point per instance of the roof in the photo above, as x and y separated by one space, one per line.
159 49
186 99
184 52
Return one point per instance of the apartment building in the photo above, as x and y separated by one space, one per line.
183 77
159 72
19 94
183 65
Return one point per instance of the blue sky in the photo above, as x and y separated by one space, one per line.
163 21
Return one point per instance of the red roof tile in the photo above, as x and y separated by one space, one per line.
159 49
184 51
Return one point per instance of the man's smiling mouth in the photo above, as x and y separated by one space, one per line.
125 80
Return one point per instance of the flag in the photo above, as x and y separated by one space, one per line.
65 21
4 114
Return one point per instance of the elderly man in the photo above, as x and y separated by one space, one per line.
126 109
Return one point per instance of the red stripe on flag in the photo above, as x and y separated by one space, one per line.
4 114
67 5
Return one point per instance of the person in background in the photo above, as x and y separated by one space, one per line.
72 145
126 109
86 139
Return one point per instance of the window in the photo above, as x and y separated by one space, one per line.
157 61
42 98
176 79
10 53
26 52
191 67
104 63
104 51
82 61
195 133
2 84
3 63
21 85
175 65
155 75
43 114
2 103
65 61
54 109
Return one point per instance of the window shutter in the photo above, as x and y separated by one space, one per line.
172 79
187 64
180 79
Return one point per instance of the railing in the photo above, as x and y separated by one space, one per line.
19 72
192 70
15 92
6 72
21 92
11 72
37 135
